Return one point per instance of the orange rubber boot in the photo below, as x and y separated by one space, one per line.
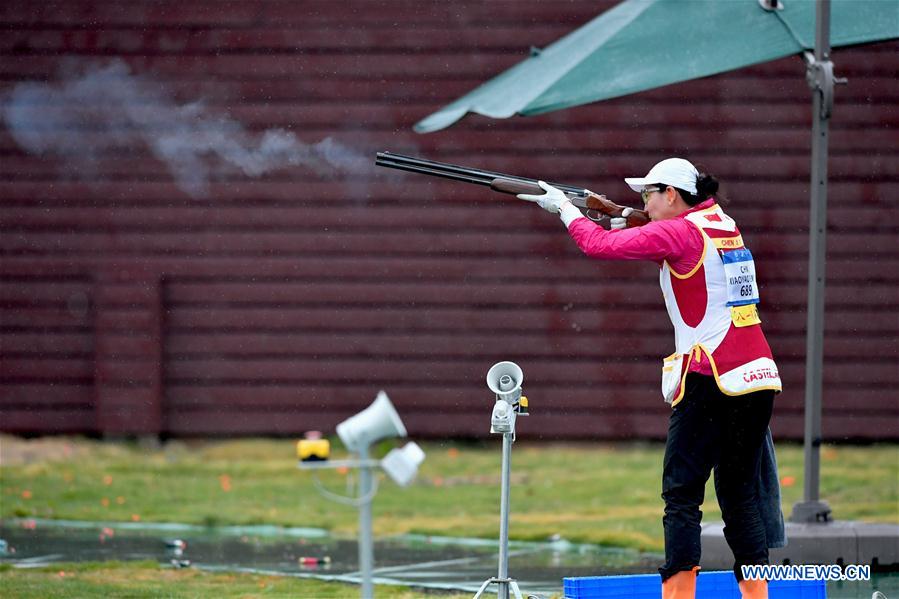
754 589
681 586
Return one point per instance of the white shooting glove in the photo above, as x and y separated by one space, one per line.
551 201
620 222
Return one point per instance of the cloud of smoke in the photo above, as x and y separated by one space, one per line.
133 111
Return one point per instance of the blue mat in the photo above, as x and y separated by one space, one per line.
709 585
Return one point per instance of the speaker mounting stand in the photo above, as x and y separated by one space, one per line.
502 580
505 379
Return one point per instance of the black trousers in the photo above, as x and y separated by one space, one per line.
712 431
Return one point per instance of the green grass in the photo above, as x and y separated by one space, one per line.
148 579
598 493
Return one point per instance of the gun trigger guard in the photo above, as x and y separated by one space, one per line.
594 215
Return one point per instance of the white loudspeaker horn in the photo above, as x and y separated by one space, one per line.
402 464
505 379
377 421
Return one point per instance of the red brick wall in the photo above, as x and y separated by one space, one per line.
134 302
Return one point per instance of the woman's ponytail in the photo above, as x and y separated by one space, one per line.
706 187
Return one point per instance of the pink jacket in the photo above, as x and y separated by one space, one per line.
674 240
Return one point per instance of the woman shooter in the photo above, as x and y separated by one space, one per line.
721 378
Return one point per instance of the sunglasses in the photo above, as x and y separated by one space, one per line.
648 192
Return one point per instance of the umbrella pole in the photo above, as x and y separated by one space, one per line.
820 78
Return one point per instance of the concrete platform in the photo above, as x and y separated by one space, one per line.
840 542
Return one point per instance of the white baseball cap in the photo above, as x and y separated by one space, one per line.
675 172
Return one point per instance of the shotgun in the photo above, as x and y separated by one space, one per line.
594 206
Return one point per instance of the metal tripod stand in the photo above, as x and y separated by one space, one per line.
502 578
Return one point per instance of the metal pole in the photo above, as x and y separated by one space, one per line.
821 80
503 587
366 551
508 390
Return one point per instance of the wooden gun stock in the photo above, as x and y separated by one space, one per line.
636 218
590 201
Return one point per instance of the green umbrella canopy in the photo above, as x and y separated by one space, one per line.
643 44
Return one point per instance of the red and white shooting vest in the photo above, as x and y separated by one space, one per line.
714 312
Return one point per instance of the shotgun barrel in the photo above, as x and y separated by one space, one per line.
594 206
463 173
